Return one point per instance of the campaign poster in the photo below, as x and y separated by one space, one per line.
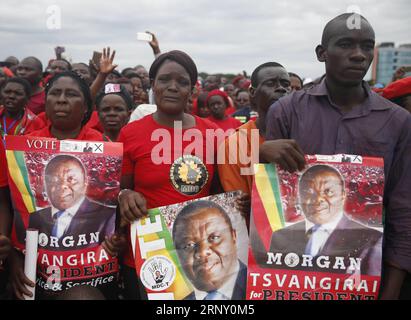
196 250
317 234
67 190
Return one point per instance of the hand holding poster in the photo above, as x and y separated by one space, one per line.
317 234
30 260
196 250
67 191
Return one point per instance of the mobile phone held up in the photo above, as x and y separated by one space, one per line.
144 36
96 57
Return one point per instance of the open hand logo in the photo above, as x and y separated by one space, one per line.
157 271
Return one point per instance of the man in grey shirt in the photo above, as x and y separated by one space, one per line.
342 115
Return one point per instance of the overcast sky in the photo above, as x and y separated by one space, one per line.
221 36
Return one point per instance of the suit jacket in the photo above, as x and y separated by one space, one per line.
349 239
91 217
239 287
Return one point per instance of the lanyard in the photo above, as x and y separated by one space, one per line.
5 129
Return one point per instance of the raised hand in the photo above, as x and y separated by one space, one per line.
106 61
59 51
154 43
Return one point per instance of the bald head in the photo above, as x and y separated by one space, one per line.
341 24
12 60
347 49
34 62
31 69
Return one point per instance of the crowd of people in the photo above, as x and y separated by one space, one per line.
336 113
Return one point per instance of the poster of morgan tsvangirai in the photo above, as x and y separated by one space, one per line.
67 190
317 234
195 250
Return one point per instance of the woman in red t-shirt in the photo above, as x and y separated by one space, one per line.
68 107
217 101
15 119
114 106
157 173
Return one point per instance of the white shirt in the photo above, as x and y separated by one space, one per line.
141 111
322 234
227 289
65 219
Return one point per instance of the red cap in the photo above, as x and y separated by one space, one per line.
397 88
8 72
218 92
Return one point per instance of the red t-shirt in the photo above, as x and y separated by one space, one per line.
175 180
32 125
195 107
37 102
85 134
227 123
230 110
94 122
3 167
11 125
44 118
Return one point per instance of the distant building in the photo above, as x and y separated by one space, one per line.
387 59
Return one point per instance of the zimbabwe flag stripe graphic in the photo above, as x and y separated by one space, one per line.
261 221
269 190
181 286
18 175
